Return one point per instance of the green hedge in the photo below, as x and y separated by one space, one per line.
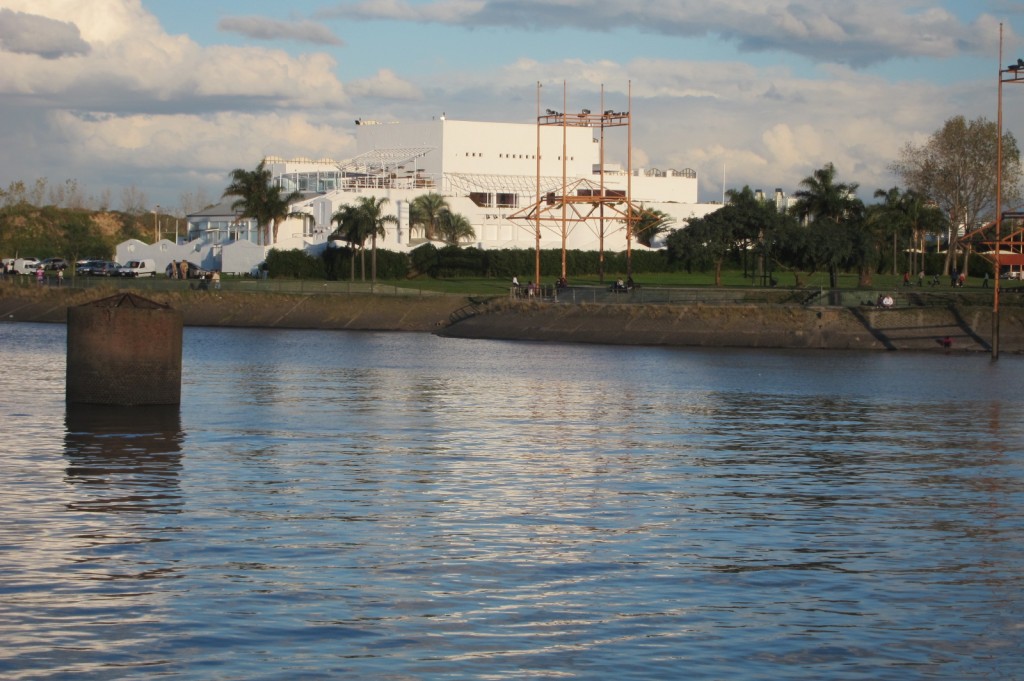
452 261
338 264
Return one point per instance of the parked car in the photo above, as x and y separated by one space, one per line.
98 268
55 264
138 268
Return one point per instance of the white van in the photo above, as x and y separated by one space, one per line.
138 268
26 265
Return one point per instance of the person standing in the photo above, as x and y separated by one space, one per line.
215 277
984 281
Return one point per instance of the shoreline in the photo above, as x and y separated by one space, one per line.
967 328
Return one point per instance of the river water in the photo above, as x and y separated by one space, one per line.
401 506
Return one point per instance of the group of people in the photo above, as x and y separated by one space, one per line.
622 286
531 289
178 270
956 279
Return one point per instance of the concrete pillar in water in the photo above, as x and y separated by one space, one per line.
124 350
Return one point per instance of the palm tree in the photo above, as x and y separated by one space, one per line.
348 230
260 199
890 217
454 227
426 210
650 224
373 221
834 207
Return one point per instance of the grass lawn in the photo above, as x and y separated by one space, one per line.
730 278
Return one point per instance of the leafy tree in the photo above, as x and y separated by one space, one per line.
744 225
956 169
427 210
835 214
706 242
260 199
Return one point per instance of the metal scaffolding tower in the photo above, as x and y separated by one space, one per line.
580 200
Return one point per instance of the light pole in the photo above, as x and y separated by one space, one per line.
156 228
1014 73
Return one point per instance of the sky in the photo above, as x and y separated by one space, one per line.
166 97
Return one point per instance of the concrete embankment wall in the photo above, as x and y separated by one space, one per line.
969 329
258 310
749 326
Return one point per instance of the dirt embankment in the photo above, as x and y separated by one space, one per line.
959 329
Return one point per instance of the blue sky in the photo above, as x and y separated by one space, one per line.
167 96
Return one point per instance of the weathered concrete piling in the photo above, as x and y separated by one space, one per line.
124 350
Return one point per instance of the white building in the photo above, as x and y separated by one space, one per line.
487 172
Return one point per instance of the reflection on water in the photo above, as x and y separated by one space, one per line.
401 506
124 458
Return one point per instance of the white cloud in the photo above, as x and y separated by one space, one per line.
136 67
384 85
141 106
213 143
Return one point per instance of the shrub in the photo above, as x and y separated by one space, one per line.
294 263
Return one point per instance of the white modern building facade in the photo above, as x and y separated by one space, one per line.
487 172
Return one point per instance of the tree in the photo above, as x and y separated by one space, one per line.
453 228
373 221
889 220
347 218
362 221
133 200
904 217
193 201
426 210
834 212
705 242
650 224
260 199
743 225
956 169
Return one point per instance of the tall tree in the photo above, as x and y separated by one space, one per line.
427 210
260 199
373 222
890 222
348 219
903 218
956 169
834 212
